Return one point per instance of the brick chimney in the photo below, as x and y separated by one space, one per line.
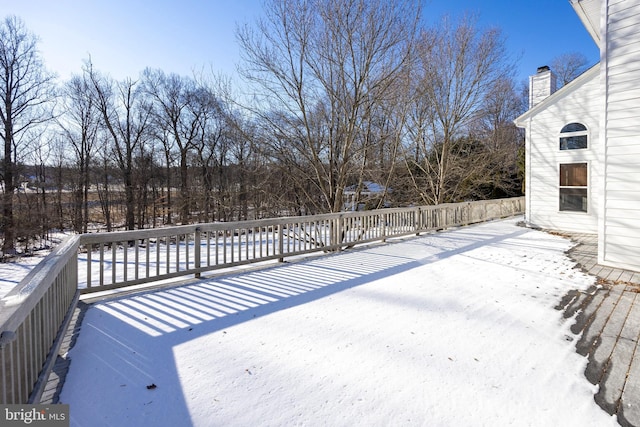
541 85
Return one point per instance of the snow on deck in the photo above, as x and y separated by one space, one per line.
455 328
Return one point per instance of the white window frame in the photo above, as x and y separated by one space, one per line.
574 187
572 134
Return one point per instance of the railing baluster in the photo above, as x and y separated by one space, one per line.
253 242
208 249
167 244
261 237
217 248
147 257
89 267
177 251
136 247
246 241
101 268
125 261
233 245
224 247
280 242
187 257
196 250
158 244
114 262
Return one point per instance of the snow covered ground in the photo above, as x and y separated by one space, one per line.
11 273
455 328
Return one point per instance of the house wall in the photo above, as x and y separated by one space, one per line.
579 103
619 228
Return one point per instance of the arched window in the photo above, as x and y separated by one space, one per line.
573 137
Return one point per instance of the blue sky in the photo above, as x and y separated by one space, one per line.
125 36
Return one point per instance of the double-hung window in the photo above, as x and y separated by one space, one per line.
573 187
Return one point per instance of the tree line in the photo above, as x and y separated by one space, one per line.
343 93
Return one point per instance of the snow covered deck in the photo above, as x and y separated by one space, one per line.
453 328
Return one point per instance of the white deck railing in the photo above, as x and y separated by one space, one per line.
35 314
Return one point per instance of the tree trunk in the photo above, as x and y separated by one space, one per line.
129 200
8 244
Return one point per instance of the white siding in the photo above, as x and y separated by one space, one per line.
577 104
619 237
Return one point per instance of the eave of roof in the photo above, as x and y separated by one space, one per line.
592 72
589 13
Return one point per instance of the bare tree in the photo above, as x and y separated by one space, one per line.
79 125
568 66
104 183
125 118
242 152
226 151
458 65
209 145
177 112
57 163
26 90
324 65
501 140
